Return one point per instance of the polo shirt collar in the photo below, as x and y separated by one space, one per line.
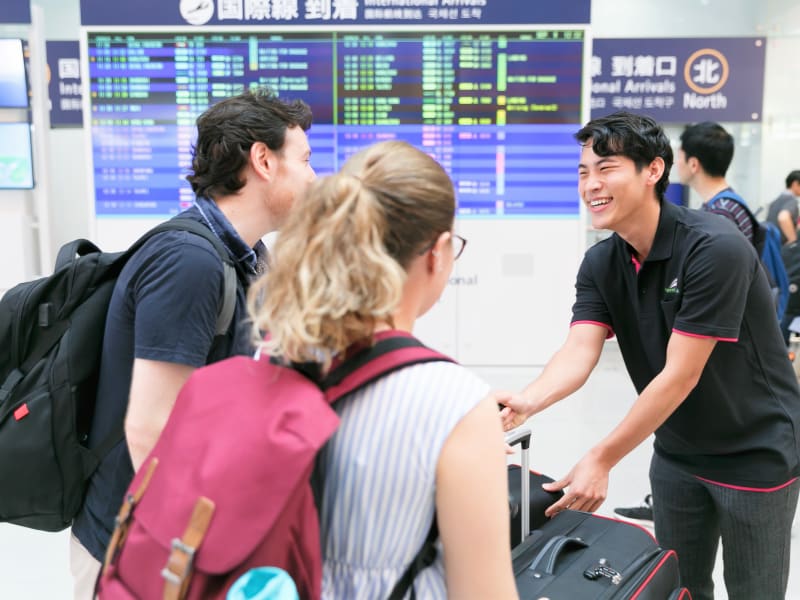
665 233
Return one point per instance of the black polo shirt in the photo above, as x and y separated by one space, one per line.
739 426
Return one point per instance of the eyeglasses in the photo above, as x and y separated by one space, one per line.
459 243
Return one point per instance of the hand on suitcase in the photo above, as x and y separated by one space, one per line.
588 486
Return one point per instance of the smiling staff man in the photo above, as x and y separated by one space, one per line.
685 295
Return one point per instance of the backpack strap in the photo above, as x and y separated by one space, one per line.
180 563
82 247
68 252
424 558
729 194
392 351
224 317
226 311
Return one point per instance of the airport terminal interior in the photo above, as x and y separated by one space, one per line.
94 148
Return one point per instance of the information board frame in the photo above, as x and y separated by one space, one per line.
574 209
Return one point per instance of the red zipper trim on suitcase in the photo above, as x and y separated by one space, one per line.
667 556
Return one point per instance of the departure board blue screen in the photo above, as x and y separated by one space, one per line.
13 82
496 108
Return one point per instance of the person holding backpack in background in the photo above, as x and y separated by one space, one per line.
250 163
703 159
367 251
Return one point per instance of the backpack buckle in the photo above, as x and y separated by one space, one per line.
181 560
122 520
178 569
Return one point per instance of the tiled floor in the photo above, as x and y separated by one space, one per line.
34 565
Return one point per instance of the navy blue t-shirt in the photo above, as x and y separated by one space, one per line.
741 423
164 308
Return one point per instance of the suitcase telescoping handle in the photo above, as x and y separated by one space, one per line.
522 436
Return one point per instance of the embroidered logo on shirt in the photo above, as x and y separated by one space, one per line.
673 287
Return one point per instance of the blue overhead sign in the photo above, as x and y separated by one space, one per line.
15 11
64 83
333 12
679 80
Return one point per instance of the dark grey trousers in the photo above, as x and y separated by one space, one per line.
691 516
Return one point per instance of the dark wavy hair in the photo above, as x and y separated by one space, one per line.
636 137
710 144
227 130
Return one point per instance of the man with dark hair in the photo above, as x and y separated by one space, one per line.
250 162
703 160
783 211
705 154
691 308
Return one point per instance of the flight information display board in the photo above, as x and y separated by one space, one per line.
13 80
496 108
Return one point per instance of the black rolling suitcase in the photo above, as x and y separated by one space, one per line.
577 555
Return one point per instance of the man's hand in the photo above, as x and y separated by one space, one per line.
514 409
588 486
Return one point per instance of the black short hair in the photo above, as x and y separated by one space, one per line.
792 177
710 144
636 137
227 130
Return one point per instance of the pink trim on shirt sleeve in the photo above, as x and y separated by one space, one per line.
610 330
705 337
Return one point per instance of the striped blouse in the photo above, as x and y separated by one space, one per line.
380 476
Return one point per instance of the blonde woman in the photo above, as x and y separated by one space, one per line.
370 250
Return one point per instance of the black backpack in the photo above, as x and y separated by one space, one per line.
790 254
767 242
52 336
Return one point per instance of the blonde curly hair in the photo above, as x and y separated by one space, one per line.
339 264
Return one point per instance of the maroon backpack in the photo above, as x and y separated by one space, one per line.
227 486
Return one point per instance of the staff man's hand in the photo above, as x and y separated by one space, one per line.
514 409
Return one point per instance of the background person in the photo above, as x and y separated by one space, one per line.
703 159
783 211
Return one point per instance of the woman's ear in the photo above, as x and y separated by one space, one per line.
437 255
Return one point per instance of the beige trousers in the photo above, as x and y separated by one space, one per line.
85 569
